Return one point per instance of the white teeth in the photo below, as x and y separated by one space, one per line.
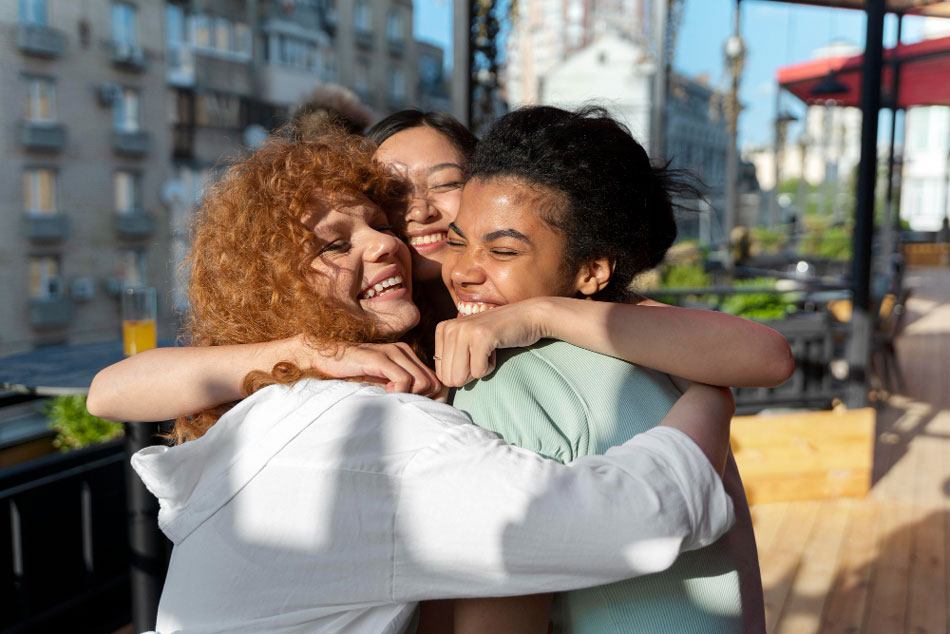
380 287
429 238
470 308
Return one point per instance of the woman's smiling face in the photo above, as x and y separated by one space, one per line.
500 250
363 264
434 169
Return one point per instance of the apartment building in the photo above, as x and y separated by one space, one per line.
85 149
117 113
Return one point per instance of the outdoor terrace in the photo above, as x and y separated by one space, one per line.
877 565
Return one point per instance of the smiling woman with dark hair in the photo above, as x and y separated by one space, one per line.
567 204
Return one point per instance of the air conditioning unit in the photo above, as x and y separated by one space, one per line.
82 289
108 93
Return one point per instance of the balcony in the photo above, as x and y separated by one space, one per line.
396 47
41 135
130 142
364 39
136 223
41 41
128 56
50 311
45 226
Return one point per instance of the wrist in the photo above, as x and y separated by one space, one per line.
540 316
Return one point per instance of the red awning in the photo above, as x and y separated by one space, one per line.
925 75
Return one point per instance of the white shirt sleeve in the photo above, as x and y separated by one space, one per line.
476 517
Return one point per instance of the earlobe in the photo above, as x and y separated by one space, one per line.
594 276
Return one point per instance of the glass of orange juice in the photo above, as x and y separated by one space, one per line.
138 319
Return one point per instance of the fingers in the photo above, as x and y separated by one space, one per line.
464 351
408 373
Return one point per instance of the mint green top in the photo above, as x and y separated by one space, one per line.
564 402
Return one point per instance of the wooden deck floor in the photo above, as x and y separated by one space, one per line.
877 565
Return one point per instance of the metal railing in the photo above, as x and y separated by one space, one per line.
64 554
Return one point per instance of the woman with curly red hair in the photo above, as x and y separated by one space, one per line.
333 506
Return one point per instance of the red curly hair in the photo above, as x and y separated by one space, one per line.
251 253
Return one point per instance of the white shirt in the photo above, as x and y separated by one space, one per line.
330 506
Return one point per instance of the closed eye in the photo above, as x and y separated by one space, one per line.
336 245
445 187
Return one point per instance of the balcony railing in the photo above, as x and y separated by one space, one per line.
136 223
364 39
42 41
42 135
130 143
128 56
396 47
51 311
45 226
64 557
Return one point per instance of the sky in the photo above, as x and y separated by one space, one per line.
775 34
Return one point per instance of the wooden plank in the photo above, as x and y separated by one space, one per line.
927 612
808 455
805 605
767 519
780 564
888 595
847 605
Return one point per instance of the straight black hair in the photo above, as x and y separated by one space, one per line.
450 127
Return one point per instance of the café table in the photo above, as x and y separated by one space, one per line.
69 370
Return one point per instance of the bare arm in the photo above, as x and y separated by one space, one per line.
165 383
527 614
700 345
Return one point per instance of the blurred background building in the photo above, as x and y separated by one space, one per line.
116 114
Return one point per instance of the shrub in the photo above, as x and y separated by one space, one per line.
759 306
75 427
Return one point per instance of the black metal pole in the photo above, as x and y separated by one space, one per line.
146 542
859 353
891 223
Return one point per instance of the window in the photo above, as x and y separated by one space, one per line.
397 85
131 267
40 99
124 25
39 190
222 34
394 31
33 12
361 79
201 27
218 110
174 25
362 18
125 187
125 111
45 281
241 39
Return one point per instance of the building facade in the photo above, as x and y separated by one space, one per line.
925 189
117 113
617 73
546 32
85 148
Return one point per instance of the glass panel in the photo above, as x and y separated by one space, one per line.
44 277
394 27
131 267
33 12
362 20
39 191
222 35
40 99
175 25
202 31
123 24
241 42
124 190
